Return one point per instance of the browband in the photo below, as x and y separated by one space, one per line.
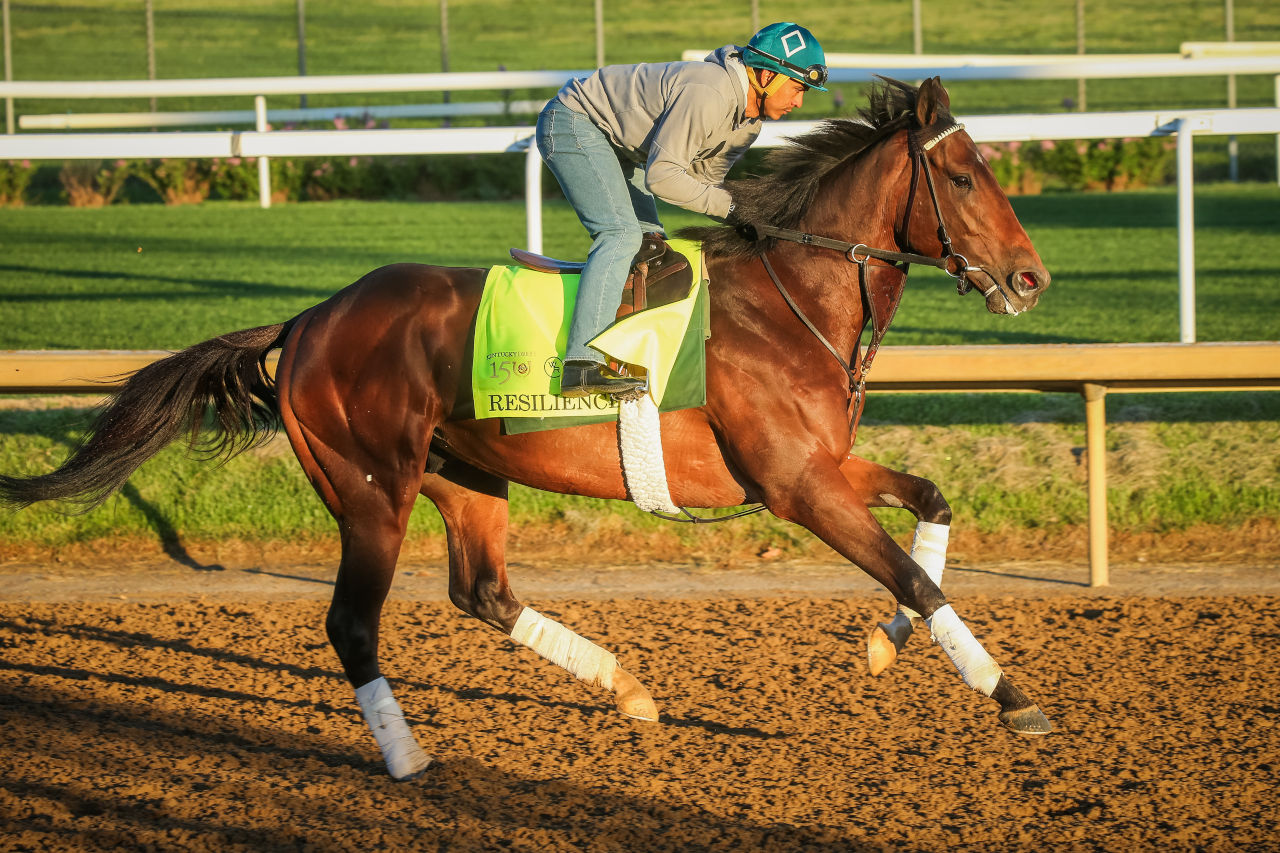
928 146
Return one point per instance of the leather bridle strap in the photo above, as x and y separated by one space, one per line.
795 309
951 262
855 252
857 378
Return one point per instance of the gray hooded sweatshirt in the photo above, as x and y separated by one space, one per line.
682 120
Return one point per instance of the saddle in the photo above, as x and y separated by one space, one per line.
659 274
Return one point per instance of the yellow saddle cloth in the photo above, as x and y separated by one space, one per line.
522 328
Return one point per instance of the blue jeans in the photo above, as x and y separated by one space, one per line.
610 199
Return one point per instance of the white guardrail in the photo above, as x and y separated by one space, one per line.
265 144
1146 63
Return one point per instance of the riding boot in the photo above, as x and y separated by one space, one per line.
582 378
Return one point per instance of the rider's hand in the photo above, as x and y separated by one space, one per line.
745 229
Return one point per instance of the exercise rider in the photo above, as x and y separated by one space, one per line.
628 133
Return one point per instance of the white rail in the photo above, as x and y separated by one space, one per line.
453 109
951 68
264 144
318 85
1185 124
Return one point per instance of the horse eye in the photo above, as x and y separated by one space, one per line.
962 182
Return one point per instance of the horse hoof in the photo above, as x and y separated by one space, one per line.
1026 721
881 653
632 699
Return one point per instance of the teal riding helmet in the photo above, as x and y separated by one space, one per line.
791 50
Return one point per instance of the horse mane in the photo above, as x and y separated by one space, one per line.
781 196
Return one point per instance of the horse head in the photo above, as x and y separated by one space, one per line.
956 209
903 171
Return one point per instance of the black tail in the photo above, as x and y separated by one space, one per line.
158 403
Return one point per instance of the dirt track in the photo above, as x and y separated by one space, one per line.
205 711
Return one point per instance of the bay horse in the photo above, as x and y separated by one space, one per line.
368 391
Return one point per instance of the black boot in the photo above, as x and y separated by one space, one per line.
582 378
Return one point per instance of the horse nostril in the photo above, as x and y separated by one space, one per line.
1029 280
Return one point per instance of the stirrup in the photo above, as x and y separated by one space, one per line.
583 378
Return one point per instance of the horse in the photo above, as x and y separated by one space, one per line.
369 383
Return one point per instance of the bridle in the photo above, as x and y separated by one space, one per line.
950 261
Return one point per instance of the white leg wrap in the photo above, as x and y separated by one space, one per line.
929 550
643 468
978 669
382 712
583 658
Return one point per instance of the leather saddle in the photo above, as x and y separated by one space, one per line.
659 274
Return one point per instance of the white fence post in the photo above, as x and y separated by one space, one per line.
533 197
264 165
1186 235
8 68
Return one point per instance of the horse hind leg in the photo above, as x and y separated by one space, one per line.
366 494
473 505
372 529
884 487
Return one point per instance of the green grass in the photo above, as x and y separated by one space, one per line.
75 279
68 39
1005 462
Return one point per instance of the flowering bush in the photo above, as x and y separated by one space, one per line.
236 179
1103 164
90 183
338 177
178 181
1015 172
14 177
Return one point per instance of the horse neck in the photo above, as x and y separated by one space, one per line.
862 202
865 201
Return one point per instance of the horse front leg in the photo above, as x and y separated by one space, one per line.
878 486
822 500
473 505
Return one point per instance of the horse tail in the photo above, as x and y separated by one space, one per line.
226 375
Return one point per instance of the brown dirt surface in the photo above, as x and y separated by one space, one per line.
152 705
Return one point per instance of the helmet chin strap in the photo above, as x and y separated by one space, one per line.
753 77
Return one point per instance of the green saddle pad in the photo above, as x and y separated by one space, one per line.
522 328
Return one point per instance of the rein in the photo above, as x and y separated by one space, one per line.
951 262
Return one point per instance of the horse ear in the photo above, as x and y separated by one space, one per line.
930 97
944 98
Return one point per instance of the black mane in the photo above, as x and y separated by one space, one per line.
782 196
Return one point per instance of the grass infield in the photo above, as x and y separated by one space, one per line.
139 277
72 40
